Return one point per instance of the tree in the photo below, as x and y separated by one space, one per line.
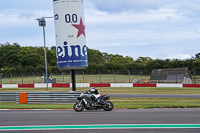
95 56
9 54
17 59
197 56
28 57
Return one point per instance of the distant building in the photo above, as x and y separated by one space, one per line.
172 75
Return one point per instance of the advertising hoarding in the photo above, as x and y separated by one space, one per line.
71 49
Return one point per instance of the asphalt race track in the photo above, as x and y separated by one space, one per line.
45 121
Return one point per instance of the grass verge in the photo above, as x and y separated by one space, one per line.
145 103
119 103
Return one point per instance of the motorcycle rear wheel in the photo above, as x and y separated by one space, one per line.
78 107
108 106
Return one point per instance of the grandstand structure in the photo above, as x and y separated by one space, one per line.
172 75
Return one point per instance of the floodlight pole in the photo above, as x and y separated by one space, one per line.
42 23
45 53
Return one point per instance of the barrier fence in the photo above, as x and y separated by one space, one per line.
137 76
39 97
81 77
8 96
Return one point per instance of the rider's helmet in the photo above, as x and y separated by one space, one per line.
92 89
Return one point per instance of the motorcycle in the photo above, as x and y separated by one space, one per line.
86 101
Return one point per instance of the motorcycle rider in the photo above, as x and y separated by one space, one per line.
95 94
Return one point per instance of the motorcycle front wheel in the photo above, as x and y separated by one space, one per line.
78 107
108 106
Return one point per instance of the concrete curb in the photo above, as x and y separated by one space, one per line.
68 85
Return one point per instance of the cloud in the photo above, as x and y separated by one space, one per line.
22 27
21 18
159 31
179 56
184 7
26 4
151 28
121 5
99 17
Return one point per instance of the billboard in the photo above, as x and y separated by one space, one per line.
70 35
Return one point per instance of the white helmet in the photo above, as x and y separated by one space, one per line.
92 89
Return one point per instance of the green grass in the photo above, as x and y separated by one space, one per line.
116 90
5 105
145 103
119 103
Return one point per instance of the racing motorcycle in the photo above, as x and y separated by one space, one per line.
85 101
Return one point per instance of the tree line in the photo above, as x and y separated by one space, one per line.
16 59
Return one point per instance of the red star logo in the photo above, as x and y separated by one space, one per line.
80 27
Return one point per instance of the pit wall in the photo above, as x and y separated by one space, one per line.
69 85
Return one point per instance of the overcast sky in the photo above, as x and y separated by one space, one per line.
137 28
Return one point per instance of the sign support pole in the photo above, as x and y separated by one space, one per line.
73 78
